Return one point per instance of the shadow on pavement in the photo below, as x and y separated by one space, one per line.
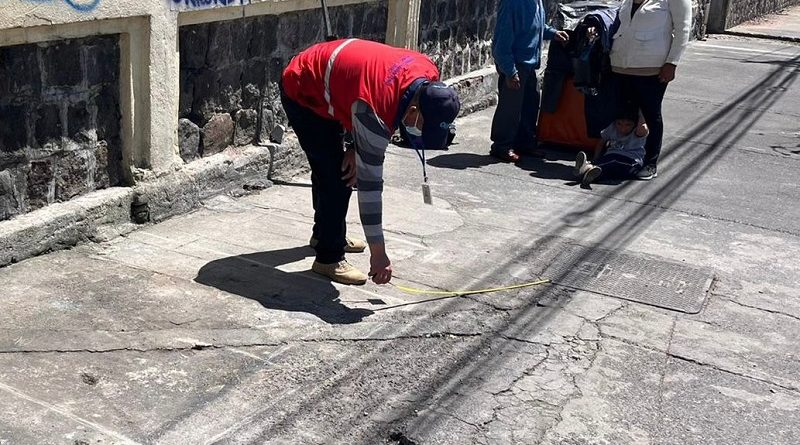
462 161
255 276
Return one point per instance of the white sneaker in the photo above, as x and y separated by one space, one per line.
591 174
580 164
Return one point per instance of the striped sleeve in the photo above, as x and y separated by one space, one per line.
371 137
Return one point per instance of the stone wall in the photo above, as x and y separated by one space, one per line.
229 71
740 11
457 34
59 121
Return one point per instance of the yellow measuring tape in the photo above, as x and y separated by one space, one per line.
461 293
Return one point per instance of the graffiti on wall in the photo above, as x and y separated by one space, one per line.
78 5
203 4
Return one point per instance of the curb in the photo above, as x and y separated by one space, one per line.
757 35
105 214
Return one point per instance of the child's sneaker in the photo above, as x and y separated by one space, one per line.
591 174
581 164
647 172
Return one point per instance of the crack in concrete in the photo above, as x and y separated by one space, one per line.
204 346
734 373
477 427
769 311
698 362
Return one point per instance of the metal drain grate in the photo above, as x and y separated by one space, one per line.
650 281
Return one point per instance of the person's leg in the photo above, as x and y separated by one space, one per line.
616 166
321 140
624 92
650 94
506 117
529 114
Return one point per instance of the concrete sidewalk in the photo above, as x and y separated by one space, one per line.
782 25
209 328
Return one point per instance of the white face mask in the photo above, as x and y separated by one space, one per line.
413 130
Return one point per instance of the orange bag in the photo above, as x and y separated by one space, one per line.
567 126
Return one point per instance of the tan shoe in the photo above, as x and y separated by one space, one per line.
341 272
351 245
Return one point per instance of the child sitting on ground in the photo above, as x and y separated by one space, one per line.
623 141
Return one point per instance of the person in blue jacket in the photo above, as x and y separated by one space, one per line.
517 49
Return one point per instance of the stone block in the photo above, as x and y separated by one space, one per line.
188 140
80 126
263 38
13 128
193 43
20 76
109 115
103 166
246 127
12 159
217 134
116 176
206 85
254 77
41 183
441 13
217 90
227 43
288 30
72 174
102 59
9 200
49 128
268 122
186 95
62 63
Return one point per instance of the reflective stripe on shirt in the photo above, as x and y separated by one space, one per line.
328 70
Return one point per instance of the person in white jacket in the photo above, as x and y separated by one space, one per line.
647 47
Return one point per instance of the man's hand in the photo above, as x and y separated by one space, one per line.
380 268
513 82
667 73
349 167
562 37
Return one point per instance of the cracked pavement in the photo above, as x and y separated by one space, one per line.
210 328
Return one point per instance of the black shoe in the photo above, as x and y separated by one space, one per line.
647 172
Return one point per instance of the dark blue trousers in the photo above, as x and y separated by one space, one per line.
617 166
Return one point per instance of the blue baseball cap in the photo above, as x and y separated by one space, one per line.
439 105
